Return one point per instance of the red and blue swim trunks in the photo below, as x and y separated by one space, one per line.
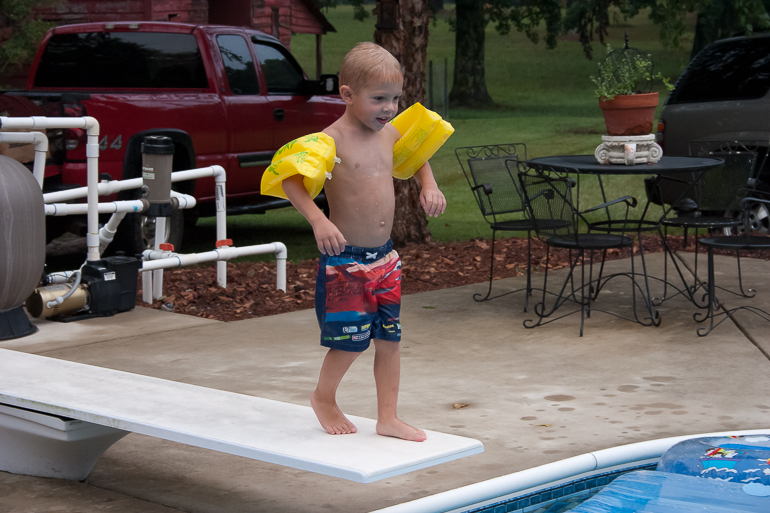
358 297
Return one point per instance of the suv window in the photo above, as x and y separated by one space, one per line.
732 70
282 73
239 66
131 60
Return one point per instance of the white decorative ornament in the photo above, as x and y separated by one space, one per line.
628 150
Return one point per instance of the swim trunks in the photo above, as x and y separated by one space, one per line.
358 297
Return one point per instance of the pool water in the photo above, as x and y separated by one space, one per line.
559 498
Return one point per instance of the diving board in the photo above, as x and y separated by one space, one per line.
119 402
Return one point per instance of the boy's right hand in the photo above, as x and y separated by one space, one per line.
329 239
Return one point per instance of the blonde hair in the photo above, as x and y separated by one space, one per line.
368 62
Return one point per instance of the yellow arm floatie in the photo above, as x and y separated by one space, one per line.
423 132
312 156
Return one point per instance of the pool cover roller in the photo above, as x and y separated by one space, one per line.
313 156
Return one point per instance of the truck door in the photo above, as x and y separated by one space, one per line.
249 116
295 111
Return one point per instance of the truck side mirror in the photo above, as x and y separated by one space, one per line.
330 84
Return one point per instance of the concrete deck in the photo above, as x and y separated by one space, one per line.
533 396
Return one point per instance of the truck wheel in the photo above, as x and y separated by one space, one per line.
136 233
759 220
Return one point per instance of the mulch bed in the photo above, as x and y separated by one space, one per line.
251 285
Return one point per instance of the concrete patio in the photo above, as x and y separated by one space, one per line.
531 396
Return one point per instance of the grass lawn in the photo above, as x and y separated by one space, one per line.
544 99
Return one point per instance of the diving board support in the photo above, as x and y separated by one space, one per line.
262 429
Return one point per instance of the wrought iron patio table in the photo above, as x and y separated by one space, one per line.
667 166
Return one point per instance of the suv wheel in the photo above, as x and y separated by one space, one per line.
759 220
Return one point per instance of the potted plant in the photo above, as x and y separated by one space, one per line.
624 88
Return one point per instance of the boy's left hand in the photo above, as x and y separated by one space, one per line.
433 201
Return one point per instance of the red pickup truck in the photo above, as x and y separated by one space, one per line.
224 95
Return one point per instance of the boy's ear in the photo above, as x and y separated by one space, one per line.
347 94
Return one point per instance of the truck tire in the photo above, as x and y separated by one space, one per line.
136 232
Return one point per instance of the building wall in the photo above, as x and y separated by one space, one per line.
83 11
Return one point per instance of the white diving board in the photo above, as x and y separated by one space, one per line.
261 429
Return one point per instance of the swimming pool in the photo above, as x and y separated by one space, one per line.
554 487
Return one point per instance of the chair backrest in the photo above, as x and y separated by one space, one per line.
548 200
721 189
495 189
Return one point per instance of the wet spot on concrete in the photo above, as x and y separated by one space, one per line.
763 407
458 426
559 398
628 388
657 406
551 452
547 438
616 422
610 395
599 404
566 409
653 412
661 379
679 412
529 418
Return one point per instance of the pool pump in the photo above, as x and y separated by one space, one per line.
103 288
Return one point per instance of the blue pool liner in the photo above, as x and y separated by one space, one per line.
663 492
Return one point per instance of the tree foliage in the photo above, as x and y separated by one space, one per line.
21 31
590 20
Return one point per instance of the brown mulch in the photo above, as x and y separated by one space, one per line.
251 289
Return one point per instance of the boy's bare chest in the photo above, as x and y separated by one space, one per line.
374 161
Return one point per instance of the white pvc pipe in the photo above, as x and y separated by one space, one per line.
157 275
221 208
60 277
496 489
219 254
41 149
108 231
92 164
65 209
106 188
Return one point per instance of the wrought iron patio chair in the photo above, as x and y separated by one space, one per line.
701 201
548 196
499 198
744 241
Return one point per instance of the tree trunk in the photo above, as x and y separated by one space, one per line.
469 87
409 44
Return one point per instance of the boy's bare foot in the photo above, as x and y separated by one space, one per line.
399 429
331 417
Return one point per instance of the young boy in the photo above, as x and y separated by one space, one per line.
358 290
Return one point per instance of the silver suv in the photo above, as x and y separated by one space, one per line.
723 96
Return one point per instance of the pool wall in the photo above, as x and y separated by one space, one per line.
520 484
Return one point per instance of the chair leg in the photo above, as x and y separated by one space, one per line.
529 271
654 317
752 292
491 271
695 283
585 303
712 301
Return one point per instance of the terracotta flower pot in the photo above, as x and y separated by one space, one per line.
631 114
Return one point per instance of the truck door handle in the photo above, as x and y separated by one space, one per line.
279 114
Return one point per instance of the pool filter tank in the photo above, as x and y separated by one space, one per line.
22 245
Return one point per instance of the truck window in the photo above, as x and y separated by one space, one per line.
122 60
732 70
241 73
282 73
